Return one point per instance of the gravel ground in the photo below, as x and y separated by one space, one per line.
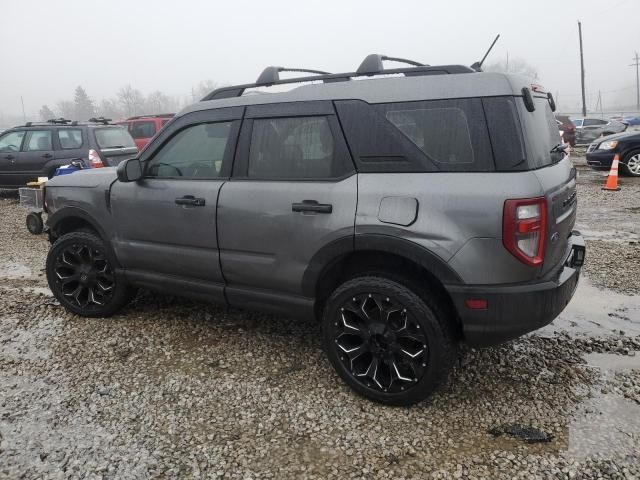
176 389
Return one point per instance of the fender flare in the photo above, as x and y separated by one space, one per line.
333 251
73 212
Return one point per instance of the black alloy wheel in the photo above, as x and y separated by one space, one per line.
81 275
380 343
386 342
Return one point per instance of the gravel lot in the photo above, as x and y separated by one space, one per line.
176 389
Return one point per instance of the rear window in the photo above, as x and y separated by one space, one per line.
541 133
113 137
143 129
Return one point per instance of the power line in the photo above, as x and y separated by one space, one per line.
637 65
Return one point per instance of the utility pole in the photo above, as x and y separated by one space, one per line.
584 101
24 116
637 64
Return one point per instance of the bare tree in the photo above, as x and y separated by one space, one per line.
46 113
158 102
202 89
131 100
66 108
108 108
515 65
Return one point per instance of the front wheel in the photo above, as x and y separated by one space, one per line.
386 342
81 275
632 163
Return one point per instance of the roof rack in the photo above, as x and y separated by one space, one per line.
102 120
157 115
371 66
52 121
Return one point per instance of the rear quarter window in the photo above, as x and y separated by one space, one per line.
427 136
506 133
540 132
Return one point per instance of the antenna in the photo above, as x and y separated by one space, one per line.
478 65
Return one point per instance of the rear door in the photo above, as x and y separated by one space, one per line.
165 224
114 144
293 191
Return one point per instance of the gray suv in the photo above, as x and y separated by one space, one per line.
406 212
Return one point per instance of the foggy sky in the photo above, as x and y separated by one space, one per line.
48 48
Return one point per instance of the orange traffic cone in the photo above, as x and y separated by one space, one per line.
612 179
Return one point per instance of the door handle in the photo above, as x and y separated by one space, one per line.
312 206
191 201
47 155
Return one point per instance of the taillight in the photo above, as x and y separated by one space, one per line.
524 229
94 159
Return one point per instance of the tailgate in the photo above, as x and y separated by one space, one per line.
559 185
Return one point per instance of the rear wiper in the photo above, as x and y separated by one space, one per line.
558 148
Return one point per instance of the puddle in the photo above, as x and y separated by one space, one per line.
13 270
596 312
606 425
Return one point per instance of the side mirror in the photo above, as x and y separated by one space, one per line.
130 170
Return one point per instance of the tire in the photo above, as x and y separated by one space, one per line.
34 223
632 163
398 361
81 275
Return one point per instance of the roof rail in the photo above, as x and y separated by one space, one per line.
156 115
371 66
59 121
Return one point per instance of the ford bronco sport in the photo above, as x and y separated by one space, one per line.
406 212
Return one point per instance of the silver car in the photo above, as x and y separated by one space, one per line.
406 212
589 129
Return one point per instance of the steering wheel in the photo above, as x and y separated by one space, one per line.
12 148
162 164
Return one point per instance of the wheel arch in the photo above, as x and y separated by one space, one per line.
71 219
348 257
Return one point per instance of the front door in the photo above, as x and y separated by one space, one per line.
37 151
10 144
165 223
292 192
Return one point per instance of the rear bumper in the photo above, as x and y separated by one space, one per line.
514 310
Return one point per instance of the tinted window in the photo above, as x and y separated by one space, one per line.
70 139
541 133
301 147
442 133
113 137
143 129
11 142
506 133
195 152
590 122
38 140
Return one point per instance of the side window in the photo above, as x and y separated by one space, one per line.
70 138
442 132
11 142
195 152
590 122
143 129
38 140
506 133
300 147
577 122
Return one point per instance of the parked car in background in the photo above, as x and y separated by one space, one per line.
37 149
600 153
632 120
143 128
567 129
588 129
371 205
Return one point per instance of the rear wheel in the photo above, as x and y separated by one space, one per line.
386 342
632 163
81 275
35 224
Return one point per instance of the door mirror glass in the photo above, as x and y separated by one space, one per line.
130 170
